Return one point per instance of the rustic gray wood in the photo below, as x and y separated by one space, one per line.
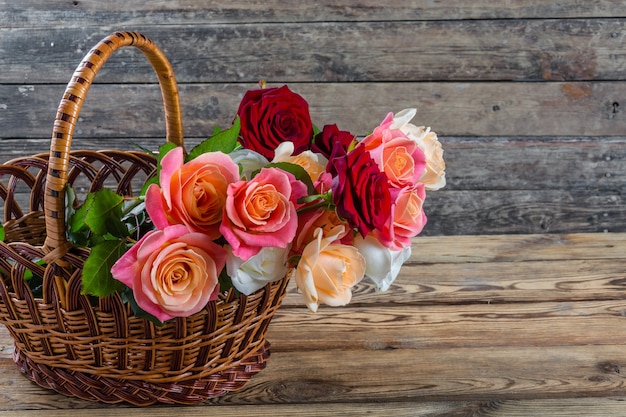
347 51
160 12
527 97
482 109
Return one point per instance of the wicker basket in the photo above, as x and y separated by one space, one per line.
97 349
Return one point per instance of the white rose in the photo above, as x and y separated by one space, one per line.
382 264
249 161
269 265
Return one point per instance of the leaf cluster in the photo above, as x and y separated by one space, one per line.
104 223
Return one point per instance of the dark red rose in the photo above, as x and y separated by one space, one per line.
360 191
329 137
270 116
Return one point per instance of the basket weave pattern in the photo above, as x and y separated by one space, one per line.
96 349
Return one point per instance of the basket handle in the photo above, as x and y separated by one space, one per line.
67 116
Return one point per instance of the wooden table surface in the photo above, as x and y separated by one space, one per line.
505 325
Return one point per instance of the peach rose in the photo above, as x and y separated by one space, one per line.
327 271
261 212
192 193
173 272
398 156
313 163
312 220
434 176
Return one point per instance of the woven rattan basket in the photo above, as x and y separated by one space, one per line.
98 350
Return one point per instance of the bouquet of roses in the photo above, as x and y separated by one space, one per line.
268 197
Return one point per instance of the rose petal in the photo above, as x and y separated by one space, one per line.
155 208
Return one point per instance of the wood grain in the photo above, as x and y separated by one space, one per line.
352 51
522 211
530 281
174 12
587 407
450 109
517 248
479 325
526 97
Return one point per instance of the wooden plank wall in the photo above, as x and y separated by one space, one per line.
527 96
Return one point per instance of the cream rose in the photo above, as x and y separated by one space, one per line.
327 271
313 163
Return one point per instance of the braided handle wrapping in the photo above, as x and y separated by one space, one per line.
67 116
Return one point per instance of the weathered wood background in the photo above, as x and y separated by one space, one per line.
527 96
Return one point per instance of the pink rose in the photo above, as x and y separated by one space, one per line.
398 156
261 212
192 193
408 217
173 272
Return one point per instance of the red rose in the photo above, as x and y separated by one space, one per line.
360 191
270 116
329 137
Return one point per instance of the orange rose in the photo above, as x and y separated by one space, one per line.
192 193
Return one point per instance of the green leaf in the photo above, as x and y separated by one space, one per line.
316 130
136 218
104 212
2 234
148 183
70 200
76 221
224 141
226 283
97 278
298 172
28 274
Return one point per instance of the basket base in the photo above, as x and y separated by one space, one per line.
112 390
